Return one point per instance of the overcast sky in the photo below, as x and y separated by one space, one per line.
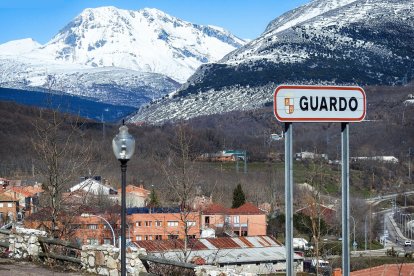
42 19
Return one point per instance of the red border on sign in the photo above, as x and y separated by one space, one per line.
314 87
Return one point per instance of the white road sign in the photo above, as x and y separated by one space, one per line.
319 103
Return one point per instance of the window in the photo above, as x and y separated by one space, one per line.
172 237
9 204
191 223
138 223
236 219
148 223
158 237
93 241
148 237
172 223
107 241
158 223
1 204
138 238
93 226
191 236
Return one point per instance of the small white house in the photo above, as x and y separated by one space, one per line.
94 187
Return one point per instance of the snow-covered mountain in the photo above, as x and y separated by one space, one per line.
107 53
19 47
358 42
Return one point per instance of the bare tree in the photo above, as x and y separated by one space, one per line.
62 153
181 175
312 201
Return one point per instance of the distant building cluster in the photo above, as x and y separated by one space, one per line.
224 156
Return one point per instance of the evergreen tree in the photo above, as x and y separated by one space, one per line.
153 199
238 197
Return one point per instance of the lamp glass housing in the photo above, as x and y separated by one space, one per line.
123 144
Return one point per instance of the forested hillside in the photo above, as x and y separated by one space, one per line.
388 130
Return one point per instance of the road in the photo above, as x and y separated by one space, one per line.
377 199
10 267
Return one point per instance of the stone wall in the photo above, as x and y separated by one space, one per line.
101 259
24 243
106 260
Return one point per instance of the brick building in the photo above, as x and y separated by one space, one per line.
246 220
94 230
162 223
9 207
28 197
136 196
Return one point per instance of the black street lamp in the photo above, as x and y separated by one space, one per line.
124 146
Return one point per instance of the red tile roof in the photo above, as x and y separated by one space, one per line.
26 191
247 209
203 244
216 209
136 190
387 269
223 242
5 197
166 245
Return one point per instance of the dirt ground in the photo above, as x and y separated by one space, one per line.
13 268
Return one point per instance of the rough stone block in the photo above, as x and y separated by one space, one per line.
111 262
99 258
32 239
91 261
103 271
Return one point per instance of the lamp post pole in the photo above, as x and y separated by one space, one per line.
123 146
123 216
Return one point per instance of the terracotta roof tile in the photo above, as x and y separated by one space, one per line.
203 244
136 190
225 242
216 209
387 269
25 191
6 197
166 245
247 208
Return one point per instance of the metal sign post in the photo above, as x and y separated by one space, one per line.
289 199
345 198
295 103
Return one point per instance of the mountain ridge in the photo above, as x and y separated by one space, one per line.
352 43
115 56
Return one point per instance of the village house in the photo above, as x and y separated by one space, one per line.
224 156
28 197
95 229
255 254
94 186
246 220
136 196
9 208
162 223
310 155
